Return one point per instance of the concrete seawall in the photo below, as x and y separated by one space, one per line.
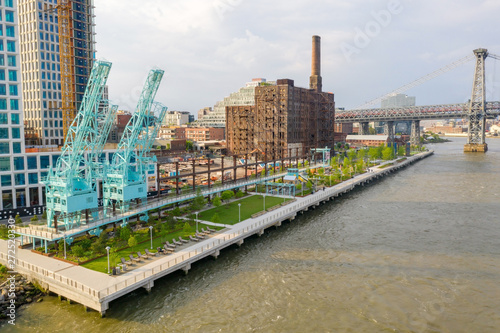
96 290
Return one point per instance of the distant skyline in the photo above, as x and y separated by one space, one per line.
210 49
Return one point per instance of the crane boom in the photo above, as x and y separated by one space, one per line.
125 182
69 186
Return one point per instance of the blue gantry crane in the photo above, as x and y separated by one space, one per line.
71 184
126 176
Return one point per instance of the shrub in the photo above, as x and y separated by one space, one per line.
77 250
132 241
240 194
34 219
187 228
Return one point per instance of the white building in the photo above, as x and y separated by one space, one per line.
40 65
244 96
176 118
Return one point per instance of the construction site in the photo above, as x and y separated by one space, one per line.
285 120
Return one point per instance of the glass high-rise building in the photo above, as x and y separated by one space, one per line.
40 64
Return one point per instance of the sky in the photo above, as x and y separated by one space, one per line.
211 48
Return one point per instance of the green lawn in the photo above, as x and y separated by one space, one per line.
249 205
101 264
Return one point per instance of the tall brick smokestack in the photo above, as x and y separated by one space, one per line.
315 81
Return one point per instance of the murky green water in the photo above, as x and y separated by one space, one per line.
416 252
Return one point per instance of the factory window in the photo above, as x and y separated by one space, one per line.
20 179
16 133
9 16
18 163
13 90
4 148
10 31
6 180
7 199
16 147
11 46
14 105
44 162
11 60
12 75
32 165
33 178
4 163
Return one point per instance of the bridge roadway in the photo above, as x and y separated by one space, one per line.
445 111
45 234
96 290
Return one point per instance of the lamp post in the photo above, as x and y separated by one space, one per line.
151 232
196 222
107 250
64 246
239 212
264 201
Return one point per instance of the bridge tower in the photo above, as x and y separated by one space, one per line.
477 112
415 133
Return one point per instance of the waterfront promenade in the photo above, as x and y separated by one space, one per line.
96 290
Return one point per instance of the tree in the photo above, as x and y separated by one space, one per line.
60 246
401 151
298 186
187 228
189 145
198 202
240 194
216 218
387 153
372 130
176 211
351 154
216 201
125 233
361 154
227 195
373 153
132 241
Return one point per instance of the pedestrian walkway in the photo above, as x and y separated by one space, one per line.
96 290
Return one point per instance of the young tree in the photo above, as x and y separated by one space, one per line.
216 218
227 195
125 233
187 228
132 241
198 202
216 201
387 153
401 151
351 154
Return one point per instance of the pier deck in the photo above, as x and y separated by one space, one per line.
96 290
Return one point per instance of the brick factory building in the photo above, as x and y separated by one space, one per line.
285 120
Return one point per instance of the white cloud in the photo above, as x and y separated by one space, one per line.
207 55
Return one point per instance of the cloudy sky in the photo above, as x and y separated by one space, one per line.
210 48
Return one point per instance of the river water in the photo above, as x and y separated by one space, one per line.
418 251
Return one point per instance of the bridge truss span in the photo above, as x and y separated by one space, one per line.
443 111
